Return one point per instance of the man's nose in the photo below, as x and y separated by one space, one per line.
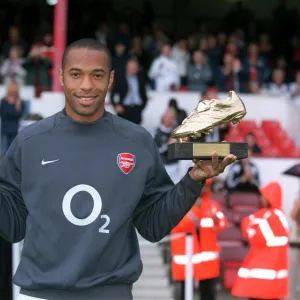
86 84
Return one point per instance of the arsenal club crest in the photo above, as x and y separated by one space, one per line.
126 162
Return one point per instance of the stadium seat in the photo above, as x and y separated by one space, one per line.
286 147
234 138
271 152
220 198
231 261
240 212
270 125
296 153
259 134
278 136
244 199
230 215
231 254
234 130
231 236
247 126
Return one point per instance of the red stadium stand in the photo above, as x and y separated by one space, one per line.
247 126
231 261
244 199
231 236
220 198
240 212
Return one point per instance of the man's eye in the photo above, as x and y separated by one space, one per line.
75 74
98 76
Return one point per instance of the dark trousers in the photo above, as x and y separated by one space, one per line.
207 289
132 113
6 141
5 270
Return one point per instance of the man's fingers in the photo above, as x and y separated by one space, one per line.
227 161
215 160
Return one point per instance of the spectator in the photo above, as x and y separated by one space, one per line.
12 67
11 110
162 137
101 33
255 69
230 76
295 89
203 45
252 145
128 95
180 113
214 54
181 57
281 63
199 73
164 71
277 87
46 47
119 59
38 70
14 40
124 34
265 47
138 52
243 176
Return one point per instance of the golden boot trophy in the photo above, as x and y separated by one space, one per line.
207 115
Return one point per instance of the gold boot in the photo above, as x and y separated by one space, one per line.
209 114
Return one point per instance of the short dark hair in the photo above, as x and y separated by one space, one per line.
87 43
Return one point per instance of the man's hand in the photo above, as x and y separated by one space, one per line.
203 170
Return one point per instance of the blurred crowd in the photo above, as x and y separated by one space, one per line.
239 54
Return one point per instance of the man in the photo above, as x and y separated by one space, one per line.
78 184
180 113
162 137
243 176
264 272
252 145
204 221
199 73
164 72
128 95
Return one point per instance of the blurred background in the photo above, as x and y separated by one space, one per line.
182 52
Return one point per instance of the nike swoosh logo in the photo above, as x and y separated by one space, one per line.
46 162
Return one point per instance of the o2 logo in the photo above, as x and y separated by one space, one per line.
66 207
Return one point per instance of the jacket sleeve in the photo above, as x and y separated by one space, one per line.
13 212
163 204
221 220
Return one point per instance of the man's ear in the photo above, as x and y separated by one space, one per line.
61 77
111 78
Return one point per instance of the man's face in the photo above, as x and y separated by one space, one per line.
86 77
132 67
168 119
166 50
278 77
250 140
198 58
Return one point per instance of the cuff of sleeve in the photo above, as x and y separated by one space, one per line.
195 187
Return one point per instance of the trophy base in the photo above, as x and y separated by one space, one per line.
203 151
